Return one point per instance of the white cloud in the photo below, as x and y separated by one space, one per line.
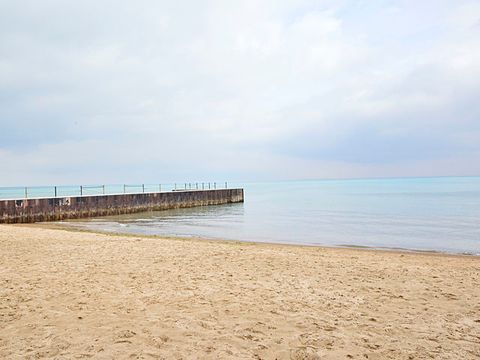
259 89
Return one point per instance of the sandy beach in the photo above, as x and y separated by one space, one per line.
68 295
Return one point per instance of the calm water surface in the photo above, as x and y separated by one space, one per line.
440 214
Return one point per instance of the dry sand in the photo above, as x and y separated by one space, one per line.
70 295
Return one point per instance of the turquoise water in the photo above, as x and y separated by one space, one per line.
437 214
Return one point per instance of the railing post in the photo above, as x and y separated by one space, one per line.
124 188
225 184
143 188
196 186
55 191
215 185
185 186
81 190
26 192
208 186
203 186
103 188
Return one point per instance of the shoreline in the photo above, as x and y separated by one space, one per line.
73 228
71 294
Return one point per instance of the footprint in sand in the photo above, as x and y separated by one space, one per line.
306 353
124 336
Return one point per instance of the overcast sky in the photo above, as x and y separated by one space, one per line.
151 91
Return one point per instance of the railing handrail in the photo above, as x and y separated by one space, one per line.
35 192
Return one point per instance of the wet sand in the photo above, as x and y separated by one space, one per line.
67 294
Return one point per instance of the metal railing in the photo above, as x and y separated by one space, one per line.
31 192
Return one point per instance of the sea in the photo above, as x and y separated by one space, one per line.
440 214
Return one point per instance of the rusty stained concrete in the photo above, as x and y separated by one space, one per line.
76 207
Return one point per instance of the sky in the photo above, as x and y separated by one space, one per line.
157 91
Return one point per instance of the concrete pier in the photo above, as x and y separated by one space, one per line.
76 207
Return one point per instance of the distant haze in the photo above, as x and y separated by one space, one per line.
152 91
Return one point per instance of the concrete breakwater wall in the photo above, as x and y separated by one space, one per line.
76 207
